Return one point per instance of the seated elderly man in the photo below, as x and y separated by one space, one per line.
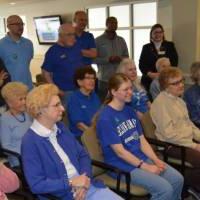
15 122
53 160
161 64
169 114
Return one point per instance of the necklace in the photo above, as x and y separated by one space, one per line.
18 119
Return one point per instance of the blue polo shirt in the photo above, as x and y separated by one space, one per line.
81 108
17 57
119 127
62 62
86 41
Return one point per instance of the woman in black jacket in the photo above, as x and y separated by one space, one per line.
158 47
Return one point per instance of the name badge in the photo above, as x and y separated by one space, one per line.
161 53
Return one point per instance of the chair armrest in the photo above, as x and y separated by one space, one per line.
13 153
118 171
50 196
108 167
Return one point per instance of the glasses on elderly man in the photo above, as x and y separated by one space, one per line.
176 83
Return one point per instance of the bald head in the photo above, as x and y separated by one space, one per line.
66 35
15 26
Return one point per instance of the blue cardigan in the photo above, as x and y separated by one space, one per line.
44 170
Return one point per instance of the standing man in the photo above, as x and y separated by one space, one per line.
17 51
86 39
61 61
111 50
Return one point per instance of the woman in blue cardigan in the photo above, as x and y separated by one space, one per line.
53 161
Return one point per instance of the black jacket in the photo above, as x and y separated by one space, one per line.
149 56
2 67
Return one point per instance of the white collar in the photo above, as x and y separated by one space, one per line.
41 130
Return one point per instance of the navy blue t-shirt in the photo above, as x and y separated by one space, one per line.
119 127
86 41
81 108
62 62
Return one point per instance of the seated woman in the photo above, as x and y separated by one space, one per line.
140 101
161 64
83 103
53 160
192 95
125 147
169 114
9 181
15 122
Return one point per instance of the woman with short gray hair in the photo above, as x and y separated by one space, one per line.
140 101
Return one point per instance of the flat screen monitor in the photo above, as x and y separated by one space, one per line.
47 28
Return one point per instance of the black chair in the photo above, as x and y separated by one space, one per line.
163 148
24 191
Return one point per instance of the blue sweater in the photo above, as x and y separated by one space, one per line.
44 170
192 99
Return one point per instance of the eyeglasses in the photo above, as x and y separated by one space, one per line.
176 83
16 24
57 105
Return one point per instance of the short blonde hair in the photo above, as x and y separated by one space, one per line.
166 74
195 72
123 64
13 89
39 98
162 62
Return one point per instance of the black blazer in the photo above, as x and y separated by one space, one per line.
2 67
149 56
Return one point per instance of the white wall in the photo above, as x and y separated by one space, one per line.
66 8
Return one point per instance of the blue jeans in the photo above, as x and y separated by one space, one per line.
166 186
101 194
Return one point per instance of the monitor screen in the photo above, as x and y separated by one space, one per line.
47 28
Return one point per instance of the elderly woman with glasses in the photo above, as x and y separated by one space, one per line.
84 102
170 115
15 122
139 101
54 162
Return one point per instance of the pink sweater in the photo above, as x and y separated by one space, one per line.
9 181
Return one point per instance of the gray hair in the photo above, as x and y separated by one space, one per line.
123 64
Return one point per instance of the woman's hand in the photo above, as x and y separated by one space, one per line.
160 164
80 181
80 185
151 168
80 193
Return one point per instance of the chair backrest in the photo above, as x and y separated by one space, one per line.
148 126
91 143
